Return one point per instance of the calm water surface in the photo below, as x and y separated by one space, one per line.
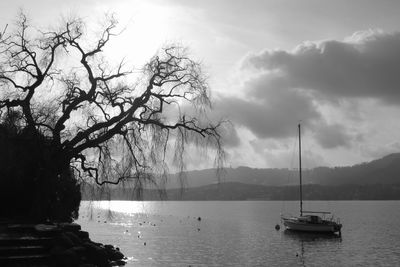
242 233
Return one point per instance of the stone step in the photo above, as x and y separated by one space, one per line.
15 227
61 244
18 260
37 229
24 240
19 250
72 227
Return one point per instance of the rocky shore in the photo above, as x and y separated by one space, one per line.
51 244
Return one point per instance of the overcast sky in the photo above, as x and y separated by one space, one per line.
333 65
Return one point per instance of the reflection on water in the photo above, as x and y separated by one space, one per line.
306 240
311 237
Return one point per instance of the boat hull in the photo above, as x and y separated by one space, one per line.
326 227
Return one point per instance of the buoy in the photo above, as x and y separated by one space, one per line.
199 219
277 227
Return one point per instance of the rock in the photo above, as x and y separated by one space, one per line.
64 241
118 263
83 235
65 258
117 256
74 238
79 250
112 253
96 254
109 246
71 227
67 248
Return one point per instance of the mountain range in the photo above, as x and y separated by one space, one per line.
378 179
385 170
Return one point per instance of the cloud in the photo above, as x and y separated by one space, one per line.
275 118
229 135
333 136
316 84
279 155
364 65
373 151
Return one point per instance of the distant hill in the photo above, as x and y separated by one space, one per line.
239 191
244 175
381 171
378 179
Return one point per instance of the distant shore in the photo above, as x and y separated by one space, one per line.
240 191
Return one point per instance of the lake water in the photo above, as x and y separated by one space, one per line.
242 233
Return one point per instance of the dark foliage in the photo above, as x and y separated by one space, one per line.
36 184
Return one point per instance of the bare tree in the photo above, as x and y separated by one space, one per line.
111 124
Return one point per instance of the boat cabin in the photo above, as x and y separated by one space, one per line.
310 219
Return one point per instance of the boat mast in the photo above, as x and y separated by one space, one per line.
301 191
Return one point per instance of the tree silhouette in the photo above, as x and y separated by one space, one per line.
111 124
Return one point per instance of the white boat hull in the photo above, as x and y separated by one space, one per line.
295 225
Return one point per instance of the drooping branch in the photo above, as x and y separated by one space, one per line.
22 73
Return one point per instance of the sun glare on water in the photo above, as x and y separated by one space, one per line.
127 207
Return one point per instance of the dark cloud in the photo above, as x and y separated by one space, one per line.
366 65
229 135
332 136
276 117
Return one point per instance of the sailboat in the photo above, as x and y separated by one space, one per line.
310 221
